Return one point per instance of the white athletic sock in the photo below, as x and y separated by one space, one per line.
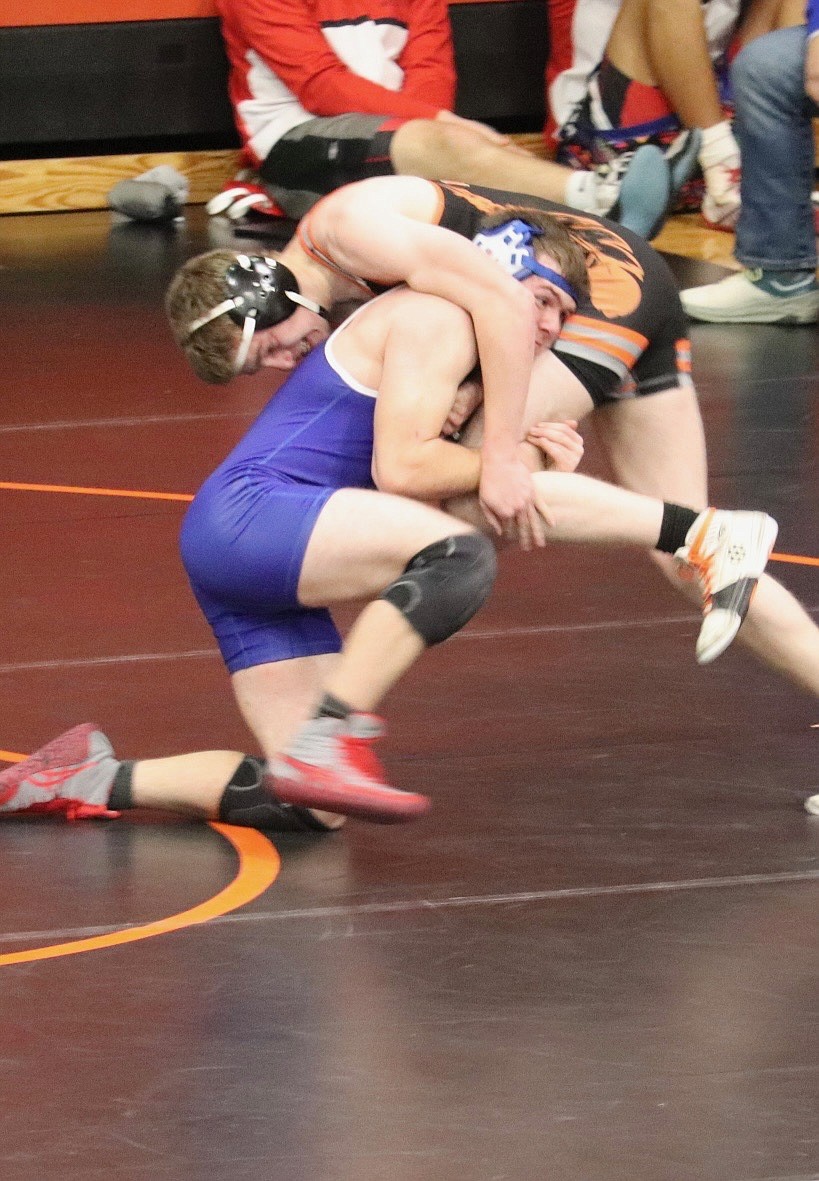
581 191
720 162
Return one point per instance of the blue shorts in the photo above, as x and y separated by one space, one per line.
242 543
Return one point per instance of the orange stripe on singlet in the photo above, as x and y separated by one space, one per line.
600 337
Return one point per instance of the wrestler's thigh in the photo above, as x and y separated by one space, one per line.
363 540
274 699
555 395
656 445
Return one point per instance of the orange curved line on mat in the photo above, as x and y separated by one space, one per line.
138 495
258 868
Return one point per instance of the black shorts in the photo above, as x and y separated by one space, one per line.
323 154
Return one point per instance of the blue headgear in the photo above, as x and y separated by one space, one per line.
510 244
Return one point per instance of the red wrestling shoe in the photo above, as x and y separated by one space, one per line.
330 765
71 775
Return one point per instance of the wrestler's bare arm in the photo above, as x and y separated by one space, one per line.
430 347
378 237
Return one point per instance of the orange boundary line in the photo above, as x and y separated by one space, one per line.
796 559
138 495
258 868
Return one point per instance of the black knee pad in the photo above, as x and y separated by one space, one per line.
249 801
445 584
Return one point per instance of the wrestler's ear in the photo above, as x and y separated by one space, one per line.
281 359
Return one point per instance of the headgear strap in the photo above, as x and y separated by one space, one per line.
262 292
510 244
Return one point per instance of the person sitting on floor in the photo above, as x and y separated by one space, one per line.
324 94
623 73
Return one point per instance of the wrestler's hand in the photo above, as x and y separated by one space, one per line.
467 401
506 497
559 442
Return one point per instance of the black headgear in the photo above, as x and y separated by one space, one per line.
260 292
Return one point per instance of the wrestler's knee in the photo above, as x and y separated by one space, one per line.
444 585
420 147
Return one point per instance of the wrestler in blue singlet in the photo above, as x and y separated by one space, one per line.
245 534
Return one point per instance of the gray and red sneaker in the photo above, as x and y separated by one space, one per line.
330 766
71 775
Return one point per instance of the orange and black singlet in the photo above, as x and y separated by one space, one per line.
630 337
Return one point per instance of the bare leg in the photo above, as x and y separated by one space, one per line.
425 147
656 446
636 194
190 784
763 16
361 543
274 700
662 43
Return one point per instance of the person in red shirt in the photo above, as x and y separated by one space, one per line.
325 93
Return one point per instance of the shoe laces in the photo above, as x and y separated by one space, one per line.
697 560
613 170
702 569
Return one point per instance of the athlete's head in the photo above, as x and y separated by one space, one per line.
536 249
233 313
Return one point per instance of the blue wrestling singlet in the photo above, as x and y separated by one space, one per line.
244 536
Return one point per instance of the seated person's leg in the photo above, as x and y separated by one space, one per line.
776 239
656 78
323 154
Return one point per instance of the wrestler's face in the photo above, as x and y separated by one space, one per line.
284 345
552 306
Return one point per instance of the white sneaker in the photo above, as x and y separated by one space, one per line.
812 805
727 552
739 300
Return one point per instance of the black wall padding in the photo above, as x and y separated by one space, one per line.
501 52
163 80
113 81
